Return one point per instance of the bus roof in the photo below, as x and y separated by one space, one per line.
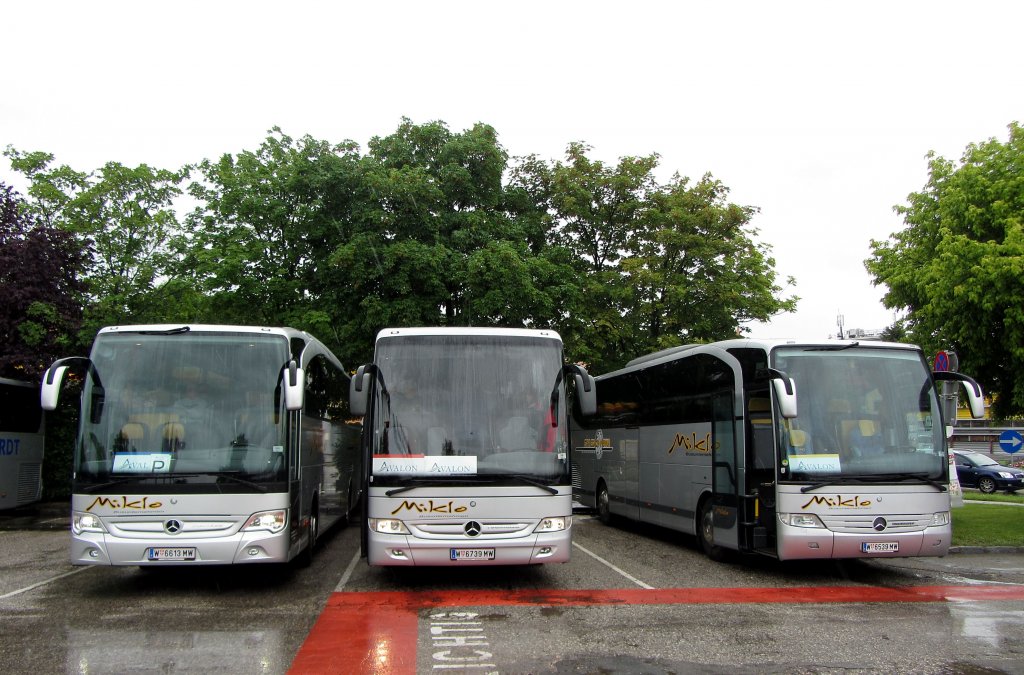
505 332
768 345
204 328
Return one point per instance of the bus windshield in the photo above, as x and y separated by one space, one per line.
188 407
865 414
451 406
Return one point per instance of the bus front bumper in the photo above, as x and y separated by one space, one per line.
93 548
407 550
796 543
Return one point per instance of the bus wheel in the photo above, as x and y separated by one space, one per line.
604 509
306 557
706 532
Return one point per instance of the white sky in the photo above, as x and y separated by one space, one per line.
819 113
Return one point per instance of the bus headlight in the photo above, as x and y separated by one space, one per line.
940 518
556 524
800 520
86 522
388 526
272 521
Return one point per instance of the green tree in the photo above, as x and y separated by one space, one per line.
123 217
257 246
443 241
957 268
40 291
656 265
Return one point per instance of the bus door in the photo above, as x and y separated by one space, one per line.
725 476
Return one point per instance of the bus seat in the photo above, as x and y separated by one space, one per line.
863 437
130 435
173 436
760 410
798 440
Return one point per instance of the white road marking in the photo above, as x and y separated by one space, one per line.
348 573
608 564
41 583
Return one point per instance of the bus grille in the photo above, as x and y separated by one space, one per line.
29 482
853 524
577 479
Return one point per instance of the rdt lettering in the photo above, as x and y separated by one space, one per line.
9 446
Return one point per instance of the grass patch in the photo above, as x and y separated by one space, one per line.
991 524
974 495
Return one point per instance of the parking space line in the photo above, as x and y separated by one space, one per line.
376 632
348 573
613 567
42 583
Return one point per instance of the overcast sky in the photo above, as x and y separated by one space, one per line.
818 113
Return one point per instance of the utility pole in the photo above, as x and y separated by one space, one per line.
839 322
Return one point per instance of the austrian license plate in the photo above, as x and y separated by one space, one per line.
472 553
880 547
171 554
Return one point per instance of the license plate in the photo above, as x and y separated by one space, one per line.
880 547
170 554
472 553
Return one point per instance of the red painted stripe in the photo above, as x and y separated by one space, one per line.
377 632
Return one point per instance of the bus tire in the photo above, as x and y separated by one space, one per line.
306 556
706 531
604 507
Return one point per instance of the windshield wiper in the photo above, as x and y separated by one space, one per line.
424 482
836 348
483 478
169 331
839 479
529 481
230 475
118 481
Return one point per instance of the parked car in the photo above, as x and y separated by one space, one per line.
981 471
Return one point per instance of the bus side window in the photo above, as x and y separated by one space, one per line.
760 412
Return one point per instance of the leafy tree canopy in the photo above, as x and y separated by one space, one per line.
40 291
957 268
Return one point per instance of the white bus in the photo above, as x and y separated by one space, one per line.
467 446
21 444
205 444
792 450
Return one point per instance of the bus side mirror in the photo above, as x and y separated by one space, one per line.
586 392
975 398
294 387
785 394
358 392
49 393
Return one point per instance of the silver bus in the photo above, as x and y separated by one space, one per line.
205 444
467 446
21 444
791 450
